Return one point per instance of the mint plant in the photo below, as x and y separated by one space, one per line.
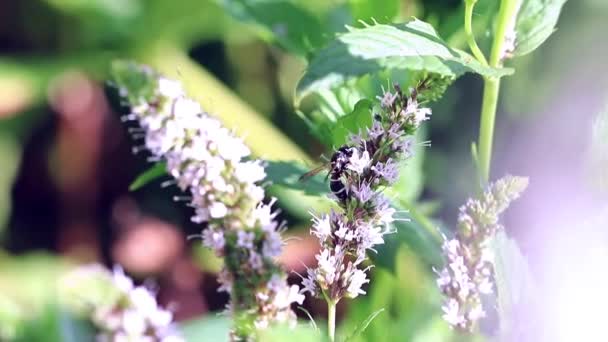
207 161
120 310
359 171
372 134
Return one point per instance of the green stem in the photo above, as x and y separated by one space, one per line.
506 16
486 126
331 320
468 29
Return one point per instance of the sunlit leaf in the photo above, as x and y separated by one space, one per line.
409 297
55 325
287 22
128 75
411 233
30 279
153 173
536 21
353 123
413 46
514 282
597 158
11 316
100 8
74 329
361 327
383 11
207 328
329 106
288 174
356 98
410 183
301 333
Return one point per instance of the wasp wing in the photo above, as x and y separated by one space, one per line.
313 172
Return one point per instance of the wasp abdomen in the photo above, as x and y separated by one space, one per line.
337 187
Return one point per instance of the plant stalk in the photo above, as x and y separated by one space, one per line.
506 16
468 29
486 126
331 320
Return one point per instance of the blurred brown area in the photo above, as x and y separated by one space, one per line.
71 197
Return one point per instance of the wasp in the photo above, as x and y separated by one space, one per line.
337 166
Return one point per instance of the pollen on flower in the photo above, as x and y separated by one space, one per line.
321 227
356 281
359 161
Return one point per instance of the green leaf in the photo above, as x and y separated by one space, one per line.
421 241
29 279
408 295
129 76
597 159
207 328
536 21
43 327
514 282
382 11
410 183
151 174
288 174
287 22
354 122
361 328
329 106
281 333
75 329
413 46
332 104
54 324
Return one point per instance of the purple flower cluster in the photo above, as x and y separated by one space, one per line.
359 171
469 269
120 310
208 161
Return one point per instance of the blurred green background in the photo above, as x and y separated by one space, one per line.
66 161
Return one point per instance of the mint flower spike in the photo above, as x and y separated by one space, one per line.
359 171
209 162
469 269
119 310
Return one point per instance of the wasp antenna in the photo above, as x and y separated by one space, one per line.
294 238
167 183
181 198
194 236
